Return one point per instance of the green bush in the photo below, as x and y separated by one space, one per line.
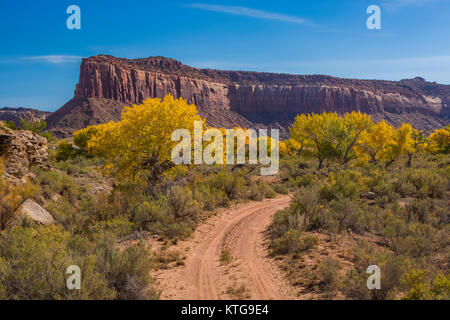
34 126
284 221
392 267
210 198
329 274
281 188
287 243
425 182
128 272
53 182
293 242
34 264
347 214
344 184
306 203
65 151
181 204
302 180
11 124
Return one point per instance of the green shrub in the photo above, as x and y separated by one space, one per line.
170 229
266 190
329 274
285 220
181 204
426 183
34 126
345 184
306 203
11 124
34 264
302 180
347 214
209 197
225 256
392 267
118 226
293 242
281 188
65 151
287 243
420 210
128 272
54 182
255 193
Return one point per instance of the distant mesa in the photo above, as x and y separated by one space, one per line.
248 99
15 114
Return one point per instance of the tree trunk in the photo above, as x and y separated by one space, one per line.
410 156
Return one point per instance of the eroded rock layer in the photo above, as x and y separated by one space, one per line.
229 98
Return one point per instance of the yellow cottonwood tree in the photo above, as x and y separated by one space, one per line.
355 123
374 142
419 145
139 146
439 141
401 143
290 147
312 131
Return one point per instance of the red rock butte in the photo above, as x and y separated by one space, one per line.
248 99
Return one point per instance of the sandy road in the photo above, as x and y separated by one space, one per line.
241 230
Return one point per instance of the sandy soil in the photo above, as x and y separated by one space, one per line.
241 231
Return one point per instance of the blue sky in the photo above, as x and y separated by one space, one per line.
40 57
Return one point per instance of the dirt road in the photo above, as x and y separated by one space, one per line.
250 274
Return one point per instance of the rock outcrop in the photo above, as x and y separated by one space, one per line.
227 98
15 114
20 150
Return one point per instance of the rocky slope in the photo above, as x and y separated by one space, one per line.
15 114
21 149
228 98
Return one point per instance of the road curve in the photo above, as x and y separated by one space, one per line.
241 230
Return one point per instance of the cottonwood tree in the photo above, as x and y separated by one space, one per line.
312 131
139 146
439 141
373 143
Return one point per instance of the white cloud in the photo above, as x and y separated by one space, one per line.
56 59
248 12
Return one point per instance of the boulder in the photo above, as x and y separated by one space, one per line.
35 212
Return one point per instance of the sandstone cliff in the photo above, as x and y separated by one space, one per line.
227 98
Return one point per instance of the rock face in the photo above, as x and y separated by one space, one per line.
15 114
35 212
227 98
20 150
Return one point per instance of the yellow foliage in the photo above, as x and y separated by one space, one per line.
439 141
402 143
374 142
420 289
381 142
329 135
289 147
139 146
